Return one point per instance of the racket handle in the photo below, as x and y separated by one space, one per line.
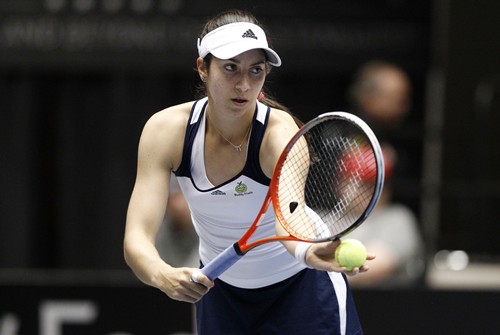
219 264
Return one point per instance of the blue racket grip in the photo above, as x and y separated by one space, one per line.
221 263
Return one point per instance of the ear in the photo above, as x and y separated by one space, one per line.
202 70
268 68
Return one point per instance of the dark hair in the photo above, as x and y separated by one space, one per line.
221 19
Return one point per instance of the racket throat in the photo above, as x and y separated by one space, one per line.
238 250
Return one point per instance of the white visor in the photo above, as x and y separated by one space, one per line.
233 39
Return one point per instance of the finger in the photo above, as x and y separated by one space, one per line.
196 276
186 294
195 293
334 266
353 272
192 292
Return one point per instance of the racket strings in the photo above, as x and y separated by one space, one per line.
329 177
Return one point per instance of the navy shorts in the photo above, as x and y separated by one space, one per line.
303 304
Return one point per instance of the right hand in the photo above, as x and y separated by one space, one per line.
177 283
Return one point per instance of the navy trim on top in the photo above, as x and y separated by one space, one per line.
184 169
252 166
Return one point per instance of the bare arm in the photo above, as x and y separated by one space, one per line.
160 150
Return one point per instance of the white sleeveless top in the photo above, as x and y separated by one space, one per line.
222 213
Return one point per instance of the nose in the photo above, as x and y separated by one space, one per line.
243 84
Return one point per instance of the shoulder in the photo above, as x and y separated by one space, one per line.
281 125
280 129
171 117
163 134
168 124
280 117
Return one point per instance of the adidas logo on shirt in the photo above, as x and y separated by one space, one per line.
249 33
218 192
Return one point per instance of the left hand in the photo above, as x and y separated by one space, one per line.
321 256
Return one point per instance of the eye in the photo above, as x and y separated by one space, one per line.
230 67
257 70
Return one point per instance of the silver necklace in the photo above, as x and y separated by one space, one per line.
237 147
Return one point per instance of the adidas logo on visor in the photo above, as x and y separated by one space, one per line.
249 33
232 39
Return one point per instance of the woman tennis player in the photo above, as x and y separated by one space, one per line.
222 149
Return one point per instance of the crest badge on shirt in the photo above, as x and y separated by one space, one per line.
241 189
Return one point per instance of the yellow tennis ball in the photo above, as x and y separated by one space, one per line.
351 253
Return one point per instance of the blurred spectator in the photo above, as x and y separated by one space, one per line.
381 94
177 241
391 233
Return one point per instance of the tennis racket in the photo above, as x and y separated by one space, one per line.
326 182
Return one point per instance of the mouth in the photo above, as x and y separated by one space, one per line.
239 100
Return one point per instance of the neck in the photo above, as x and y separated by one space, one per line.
234 135
233 127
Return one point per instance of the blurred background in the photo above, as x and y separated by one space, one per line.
79 78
